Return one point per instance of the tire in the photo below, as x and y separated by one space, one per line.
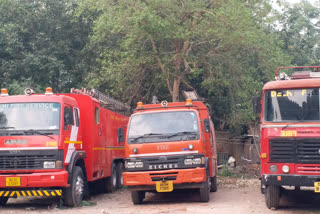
3 200
111 182
272 196
73 195
214 186
120 169
205 191
137 197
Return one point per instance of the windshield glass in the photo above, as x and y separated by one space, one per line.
25 116
163 126
292 105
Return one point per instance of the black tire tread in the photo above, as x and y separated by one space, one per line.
68 197
214 185
205 192
272 196
137 197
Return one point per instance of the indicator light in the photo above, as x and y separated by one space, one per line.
140 105
49 91
188 102
4 92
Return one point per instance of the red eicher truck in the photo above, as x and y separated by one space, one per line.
290 133
170 146
56 144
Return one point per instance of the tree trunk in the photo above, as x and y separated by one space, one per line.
176 86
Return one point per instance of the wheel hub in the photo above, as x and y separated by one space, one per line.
79 186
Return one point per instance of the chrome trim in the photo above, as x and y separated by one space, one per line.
165 153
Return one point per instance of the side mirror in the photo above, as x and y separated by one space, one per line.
120 135
206 125
256 105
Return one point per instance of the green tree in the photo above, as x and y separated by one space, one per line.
299 27
41 41
218 47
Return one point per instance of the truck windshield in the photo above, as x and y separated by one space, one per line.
29 116
163 127
295 105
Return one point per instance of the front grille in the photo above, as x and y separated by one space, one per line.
22 160
164 176
295 150
308 170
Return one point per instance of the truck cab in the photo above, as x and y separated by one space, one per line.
290 133
170 146
56 144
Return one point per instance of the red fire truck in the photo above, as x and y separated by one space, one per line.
290 133
170 146
55 144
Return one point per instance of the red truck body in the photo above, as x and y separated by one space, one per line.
54 144
290 133
170 146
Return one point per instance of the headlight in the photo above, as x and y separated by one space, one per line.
196 161
285 169
188 161
273 168
131 165
49 164
139 164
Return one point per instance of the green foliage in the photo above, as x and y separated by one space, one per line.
41 41
134 49
219 48
299 29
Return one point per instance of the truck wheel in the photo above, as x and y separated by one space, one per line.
73 195
214 186
3 200
137 197
111 184
205 191
272 195
120 169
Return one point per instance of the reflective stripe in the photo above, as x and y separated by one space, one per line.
12 193
46 192
18 193
53 194
1 193
40 193
29 194
7 193
165 153
34 193
23 193
58 192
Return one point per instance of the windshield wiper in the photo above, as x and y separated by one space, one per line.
182 133
145 135
5 127
40 133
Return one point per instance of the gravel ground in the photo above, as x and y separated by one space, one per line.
235 196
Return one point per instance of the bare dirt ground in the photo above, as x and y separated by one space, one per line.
235 196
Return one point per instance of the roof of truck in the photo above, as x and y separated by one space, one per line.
289 84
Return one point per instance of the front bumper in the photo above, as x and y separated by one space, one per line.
181 178
37 180
289 180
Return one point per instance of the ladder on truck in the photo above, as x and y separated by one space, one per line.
105 100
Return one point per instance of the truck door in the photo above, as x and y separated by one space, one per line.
99 144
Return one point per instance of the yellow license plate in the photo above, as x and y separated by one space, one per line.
13 181
164 186
316 186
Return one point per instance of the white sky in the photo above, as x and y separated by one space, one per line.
314 2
